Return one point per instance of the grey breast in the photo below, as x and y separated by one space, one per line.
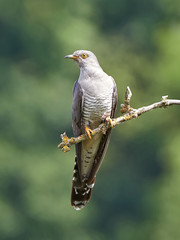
97 102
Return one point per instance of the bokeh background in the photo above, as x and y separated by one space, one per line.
137 193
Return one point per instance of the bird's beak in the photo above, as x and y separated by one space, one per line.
71 57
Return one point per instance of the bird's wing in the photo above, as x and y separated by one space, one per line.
104 141
77 115
80 195
114 99
77 109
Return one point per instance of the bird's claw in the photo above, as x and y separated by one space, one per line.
88 131
109 120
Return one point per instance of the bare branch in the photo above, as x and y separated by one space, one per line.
130 113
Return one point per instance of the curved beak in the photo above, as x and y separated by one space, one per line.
71 57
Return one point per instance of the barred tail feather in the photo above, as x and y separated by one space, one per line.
80 197
81 191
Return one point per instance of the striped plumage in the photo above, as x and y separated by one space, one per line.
94 99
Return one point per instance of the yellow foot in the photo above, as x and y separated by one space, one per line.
109 120
88 131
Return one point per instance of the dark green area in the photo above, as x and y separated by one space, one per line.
137 193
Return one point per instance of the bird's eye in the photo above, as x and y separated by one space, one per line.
84 55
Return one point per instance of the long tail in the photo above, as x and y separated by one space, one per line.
81 191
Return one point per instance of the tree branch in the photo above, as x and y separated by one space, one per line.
129 113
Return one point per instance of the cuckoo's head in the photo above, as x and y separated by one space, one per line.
84 58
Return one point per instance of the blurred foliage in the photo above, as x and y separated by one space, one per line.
136 194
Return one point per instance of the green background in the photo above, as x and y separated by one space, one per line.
137 191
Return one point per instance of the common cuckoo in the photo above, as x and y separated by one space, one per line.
94 101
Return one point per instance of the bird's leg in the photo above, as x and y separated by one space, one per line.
88 131
109 120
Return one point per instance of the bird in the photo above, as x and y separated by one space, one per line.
94 102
